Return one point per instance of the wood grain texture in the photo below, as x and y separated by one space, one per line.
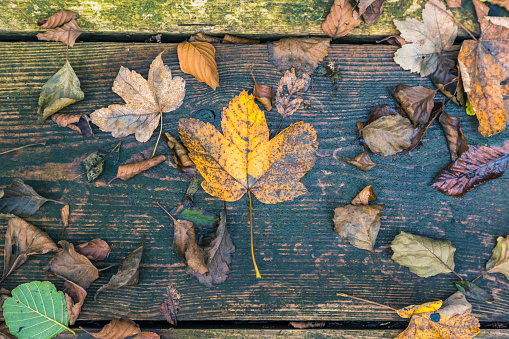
255 18
302 261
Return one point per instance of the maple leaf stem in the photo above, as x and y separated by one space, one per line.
366 301
251 228
480 275
159 137
388 169
15 149
455 20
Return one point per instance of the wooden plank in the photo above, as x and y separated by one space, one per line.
302 261
267 18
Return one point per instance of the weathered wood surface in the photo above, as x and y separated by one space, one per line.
268 18
302 261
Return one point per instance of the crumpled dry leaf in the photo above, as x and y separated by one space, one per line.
499 261
243 158
263 94
187 211
67 34
198 59
365 196
444 79
96 249
473 291
147 335
364 162
453 133
118 329
22 240
417 102
388 135
409 311
291 85
74 297
127 171
21 200
58 19
171 305
303 54
394 40
64 215
94 162
424 256
453 320
186 246
230 39
371 10
473 168
202 37
180 155
427 40
341 19
77 122
61 90
481 9
483 66
146 101
128 273
70 265
307 324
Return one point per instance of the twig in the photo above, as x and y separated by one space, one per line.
19 10
15 149
388 169
366 301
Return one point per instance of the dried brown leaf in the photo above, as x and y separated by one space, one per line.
127 171
67 34
499 261
22 240
365 196
417 102
444 79
64 215
341 19
180 155
372 12
187 248
455 139
307 324
230 39
4 294
453 3
263 94
362 161
481 9
77 122
147 335
96 249
394 40
58 19
291 85
198 59
303 54
70 265
118 329
171 305
74 297
202 37
388 135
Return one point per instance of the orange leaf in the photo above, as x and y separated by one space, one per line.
127 171
341 19
198 59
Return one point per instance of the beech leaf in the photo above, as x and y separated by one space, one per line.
289 92
94 162
96 249
427 39
416 101
303 54
58 19
74 298
61 90
341 20
118 329
180 155
198 59
127 171
77 122
499 261
20 199
365 196
22 240
128 273
424 256
170 307
67 34
473 291
146 101
455 139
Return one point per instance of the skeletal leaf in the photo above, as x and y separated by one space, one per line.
127 171
198 59
67 34
409 311
473 291
22 240
170 307
499 261
424 256
96 249
341 19
20 199
77 122
427 40
180 155
230 39
61 90
94 162
416 101
483 66
202 37
263 94
74 298
118 328
70 265
474 167
128 273
388 135
365 196
291 85
146 101
58 19
455 139
371 10
303 54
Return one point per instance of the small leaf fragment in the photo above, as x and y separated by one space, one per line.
118 328
64 215
303 54
127 171
447 80
291 85
388 135
202 37
263 94
96 249
147 335
424 256
473 291
94 162
455 138
416 101
362 161
61 90
230 39
341 19
199 217
365 196
198 59
74 298
499 261
20 199
58 19
67 34
170 307
128 273
77 122
180 155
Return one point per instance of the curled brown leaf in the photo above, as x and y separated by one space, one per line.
77 122
371 10
263 94
454 134
341 19
365 196
118 329
180 155
67 34
58 19
417 102
230 39
394 40
127 171
364 162
202 37
64 215
74 297
96 249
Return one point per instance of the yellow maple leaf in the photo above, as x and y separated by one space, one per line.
243 159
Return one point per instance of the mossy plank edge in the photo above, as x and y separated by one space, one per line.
183 17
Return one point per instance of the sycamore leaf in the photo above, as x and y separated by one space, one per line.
77 122
416 101
290 85
409 311
303 54
58 19
146 101
118 329
94 162
423 256
455 139
341 19
68 33
180 155
20 199
61 90
198 59
453 320
365 196
74 298
499 261
473 291
483 65
128 273
474 167
427 40
127 171
243 159
36 302
96 249
22 240
170 307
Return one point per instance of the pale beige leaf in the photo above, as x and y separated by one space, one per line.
499 261
303 54
388 135
198 59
